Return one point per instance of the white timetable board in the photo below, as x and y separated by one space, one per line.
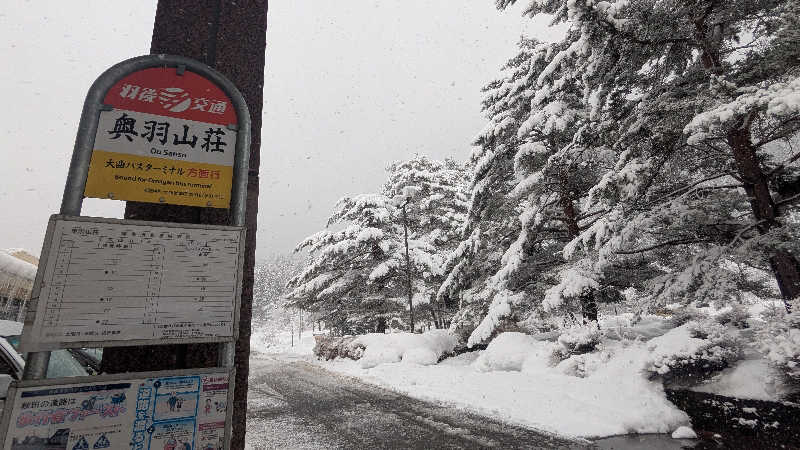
107 282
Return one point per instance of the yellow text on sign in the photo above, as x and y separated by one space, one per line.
122 176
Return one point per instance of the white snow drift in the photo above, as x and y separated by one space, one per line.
603 393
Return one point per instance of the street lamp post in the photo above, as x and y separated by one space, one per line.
409 287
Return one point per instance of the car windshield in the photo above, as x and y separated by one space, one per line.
93 352
14 341
62 362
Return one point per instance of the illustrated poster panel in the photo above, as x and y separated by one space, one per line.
165 413
115 282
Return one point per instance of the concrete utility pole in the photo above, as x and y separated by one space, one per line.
229 36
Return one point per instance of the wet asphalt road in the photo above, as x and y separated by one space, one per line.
296 405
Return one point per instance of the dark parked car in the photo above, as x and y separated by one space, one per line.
63 363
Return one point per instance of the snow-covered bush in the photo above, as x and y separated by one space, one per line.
423 349
736 316
331 347
539 321
692 351
582 365
687 314
780 341
578 340
784 351
376 348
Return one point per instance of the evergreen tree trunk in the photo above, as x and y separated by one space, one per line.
589 307
570 216
587 300
785 266
380 327
433 315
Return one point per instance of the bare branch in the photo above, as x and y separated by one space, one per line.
788 200
783 165
662 244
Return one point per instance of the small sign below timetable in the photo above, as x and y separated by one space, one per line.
116 282
155 411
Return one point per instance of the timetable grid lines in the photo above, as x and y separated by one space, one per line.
107 281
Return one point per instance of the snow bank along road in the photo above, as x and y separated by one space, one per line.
296 405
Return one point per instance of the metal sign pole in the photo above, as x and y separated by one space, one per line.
72 201
238 210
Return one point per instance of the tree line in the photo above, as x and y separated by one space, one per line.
649 157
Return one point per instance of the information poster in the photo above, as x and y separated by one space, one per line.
185 412
113 282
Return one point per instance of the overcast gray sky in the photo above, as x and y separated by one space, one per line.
350 85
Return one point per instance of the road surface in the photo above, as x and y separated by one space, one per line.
294 404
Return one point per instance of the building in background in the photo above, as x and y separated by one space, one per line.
17 272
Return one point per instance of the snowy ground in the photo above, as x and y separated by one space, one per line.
610 391
283 342
538 396
494 382
295 404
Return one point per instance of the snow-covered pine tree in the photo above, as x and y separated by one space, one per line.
554 166
492 223
351 279
690 210
432 196
357 277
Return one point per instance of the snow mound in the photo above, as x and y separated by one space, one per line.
695 344
611 380
376 355
16 267
580 339
509 351
684 432
422 349
10 328
513 379
755 379
421 356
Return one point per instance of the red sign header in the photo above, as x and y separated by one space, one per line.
162 91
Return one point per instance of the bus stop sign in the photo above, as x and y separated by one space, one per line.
164 135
